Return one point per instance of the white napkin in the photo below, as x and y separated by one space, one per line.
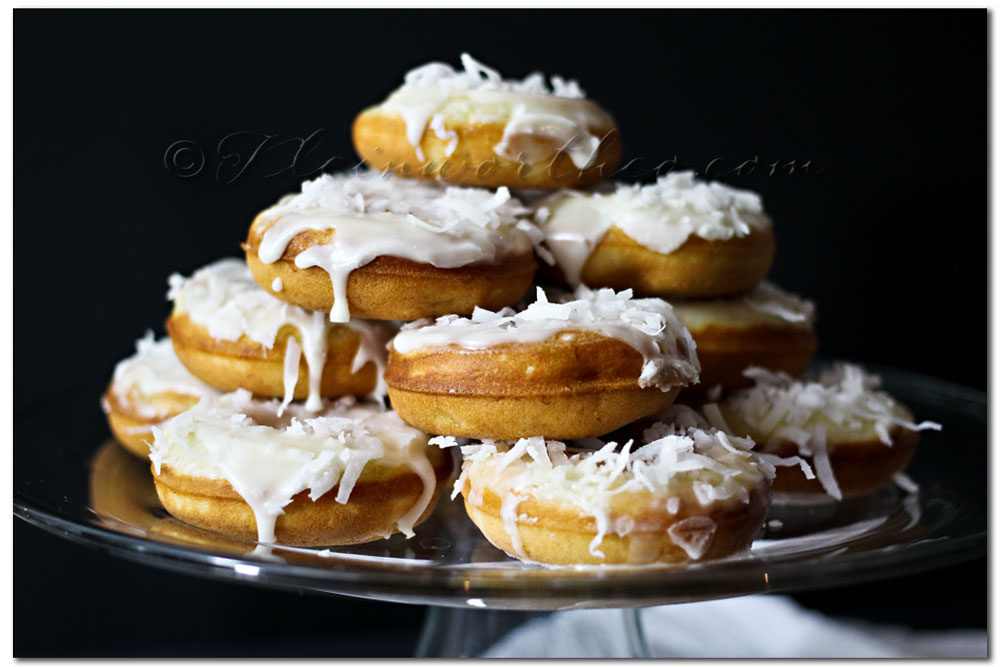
758 626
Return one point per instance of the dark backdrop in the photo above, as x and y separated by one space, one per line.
863 130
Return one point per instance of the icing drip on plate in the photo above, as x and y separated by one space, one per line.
224 299
153 369
841 405
660 216
681 460
268 459
435 93
647 325
375 215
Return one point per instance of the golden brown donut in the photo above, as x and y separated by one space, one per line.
148 388
677 238
767 327
231 334
380 140
471 128
854 437
563 506
351 474
393 288
374 246
560 378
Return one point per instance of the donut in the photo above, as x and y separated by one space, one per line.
687 492
573 369
147 388
378 247
352 473
680 237
234 335
474 128
855 437
766 327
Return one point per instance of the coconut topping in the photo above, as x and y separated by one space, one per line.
377 215
647 325
154 369
765 305
681 460
268 459
224 299
842 404
660 216
555 112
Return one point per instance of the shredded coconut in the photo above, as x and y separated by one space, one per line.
647 325
476 76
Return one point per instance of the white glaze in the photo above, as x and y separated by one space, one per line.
377 215
660 216
765 305
840 406
647 325
269 459
680 457
436 93
224 299
154 369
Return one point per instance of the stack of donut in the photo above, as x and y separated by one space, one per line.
264 413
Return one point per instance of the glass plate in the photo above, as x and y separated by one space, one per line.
84 487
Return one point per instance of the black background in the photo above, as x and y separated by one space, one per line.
881 112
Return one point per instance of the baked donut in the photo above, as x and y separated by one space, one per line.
680 237
147 388
576 369
855 437
474 128
379 247
687 493
766 327
351 474
234 335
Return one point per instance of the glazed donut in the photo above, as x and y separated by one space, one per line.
766 327
680 237
234 335
474 128
374 246
147 388
351 474
689 492
576 369
855 437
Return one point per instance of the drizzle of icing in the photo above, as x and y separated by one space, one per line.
268 459
377 215
660 216
677 455
154 369
647 325
224 299
764 305
841 405
435 93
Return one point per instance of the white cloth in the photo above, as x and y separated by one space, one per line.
759 626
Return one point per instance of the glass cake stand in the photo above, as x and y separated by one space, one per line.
89 490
